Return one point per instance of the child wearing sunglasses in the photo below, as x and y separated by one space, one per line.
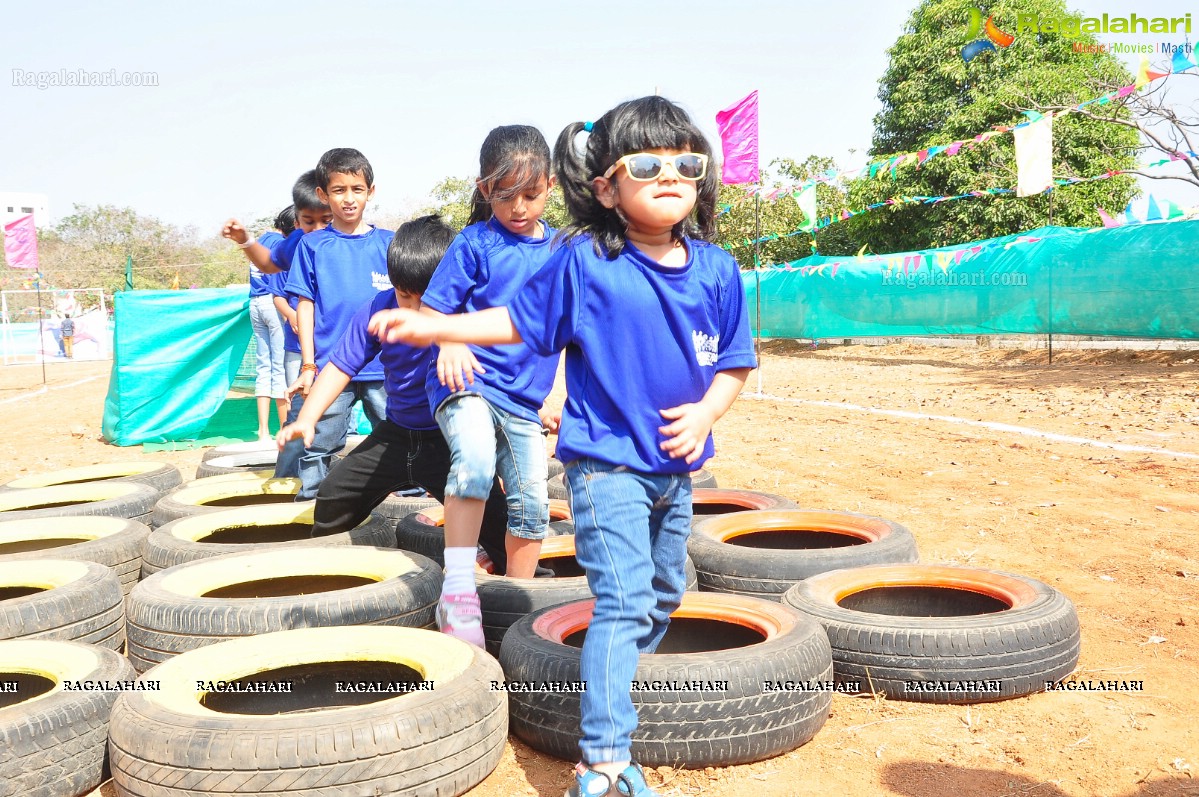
487 399
654 324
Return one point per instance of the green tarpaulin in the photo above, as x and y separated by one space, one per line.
175 354
1135 281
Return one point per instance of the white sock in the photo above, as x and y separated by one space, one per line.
459 571
612 769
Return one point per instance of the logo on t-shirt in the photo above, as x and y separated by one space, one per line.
380 282
705 347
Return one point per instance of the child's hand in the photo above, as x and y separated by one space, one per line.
294 430
550 419
302 384
403 326
690 430
456 366
234 231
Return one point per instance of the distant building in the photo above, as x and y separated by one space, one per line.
14 204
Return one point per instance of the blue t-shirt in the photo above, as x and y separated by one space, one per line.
276 284
404 367
339 273
284 249
639 338
258 280
486 266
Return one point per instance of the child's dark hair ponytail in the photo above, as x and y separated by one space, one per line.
285 222
518 152
634 126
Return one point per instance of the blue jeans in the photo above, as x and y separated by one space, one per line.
485 442
631 537
268 348
331 430
287 465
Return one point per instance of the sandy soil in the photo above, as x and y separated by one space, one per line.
1114 529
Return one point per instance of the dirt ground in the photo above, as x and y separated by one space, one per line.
1115 530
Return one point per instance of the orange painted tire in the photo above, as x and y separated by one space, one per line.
423 532
740 647
505 600
764 553
941 634
709 501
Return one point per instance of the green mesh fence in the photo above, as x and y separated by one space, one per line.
1136 281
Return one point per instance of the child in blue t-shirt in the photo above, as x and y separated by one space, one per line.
335 271
406 448
487 399
653 321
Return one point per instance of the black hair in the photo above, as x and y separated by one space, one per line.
285 222
415 250
303 193
516 151
343 160
633 126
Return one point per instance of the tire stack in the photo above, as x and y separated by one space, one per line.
70 554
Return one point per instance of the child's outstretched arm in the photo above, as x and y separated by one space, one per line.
259 255
305 325
324 391
693 422
488 327
456 363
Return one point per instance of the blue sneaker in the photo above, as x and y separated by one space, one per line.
629 783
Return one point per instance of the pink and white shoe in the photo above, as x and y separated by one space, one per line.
459 616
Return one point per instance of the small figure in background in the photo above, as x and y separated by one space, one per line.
68 337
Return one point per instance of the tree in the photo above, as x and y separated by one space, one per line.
738 226
931 96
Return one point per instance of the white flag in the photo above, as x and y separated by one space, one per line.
1034 157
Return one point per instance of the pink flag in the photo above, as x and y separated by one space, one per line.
1107 220
738 125
20 243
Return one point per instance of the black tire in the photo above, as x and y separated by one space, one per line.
52 741
743 721
263 459
423 532
257 592
159 476
554 467
1028 636
437 741
794 545
107 499
114 542
205 495
709 501
397 507
236 448
283 525
61 599
505 600
556 486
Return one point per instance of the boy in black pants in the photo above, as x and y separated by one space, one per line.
407 447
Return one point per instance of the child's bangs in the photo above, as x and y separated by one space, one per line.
657 125
515 177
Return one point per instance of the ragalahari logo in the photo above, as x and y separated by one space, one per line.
994 36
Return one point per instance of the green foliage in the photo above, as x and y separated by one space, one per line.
931 96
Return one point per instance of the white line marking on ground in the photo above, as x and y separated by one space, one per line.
999 427
43 389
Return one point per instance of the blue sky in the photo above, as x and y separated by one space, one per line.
247 98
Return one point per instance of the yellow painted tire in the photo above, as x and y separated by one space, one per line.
109 499
442 740
256 459
158 475
52 741
209 600
114 542
206 495
269 527
61 599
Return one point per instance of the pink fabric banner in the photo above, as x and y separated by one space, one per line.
20 243
738 125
